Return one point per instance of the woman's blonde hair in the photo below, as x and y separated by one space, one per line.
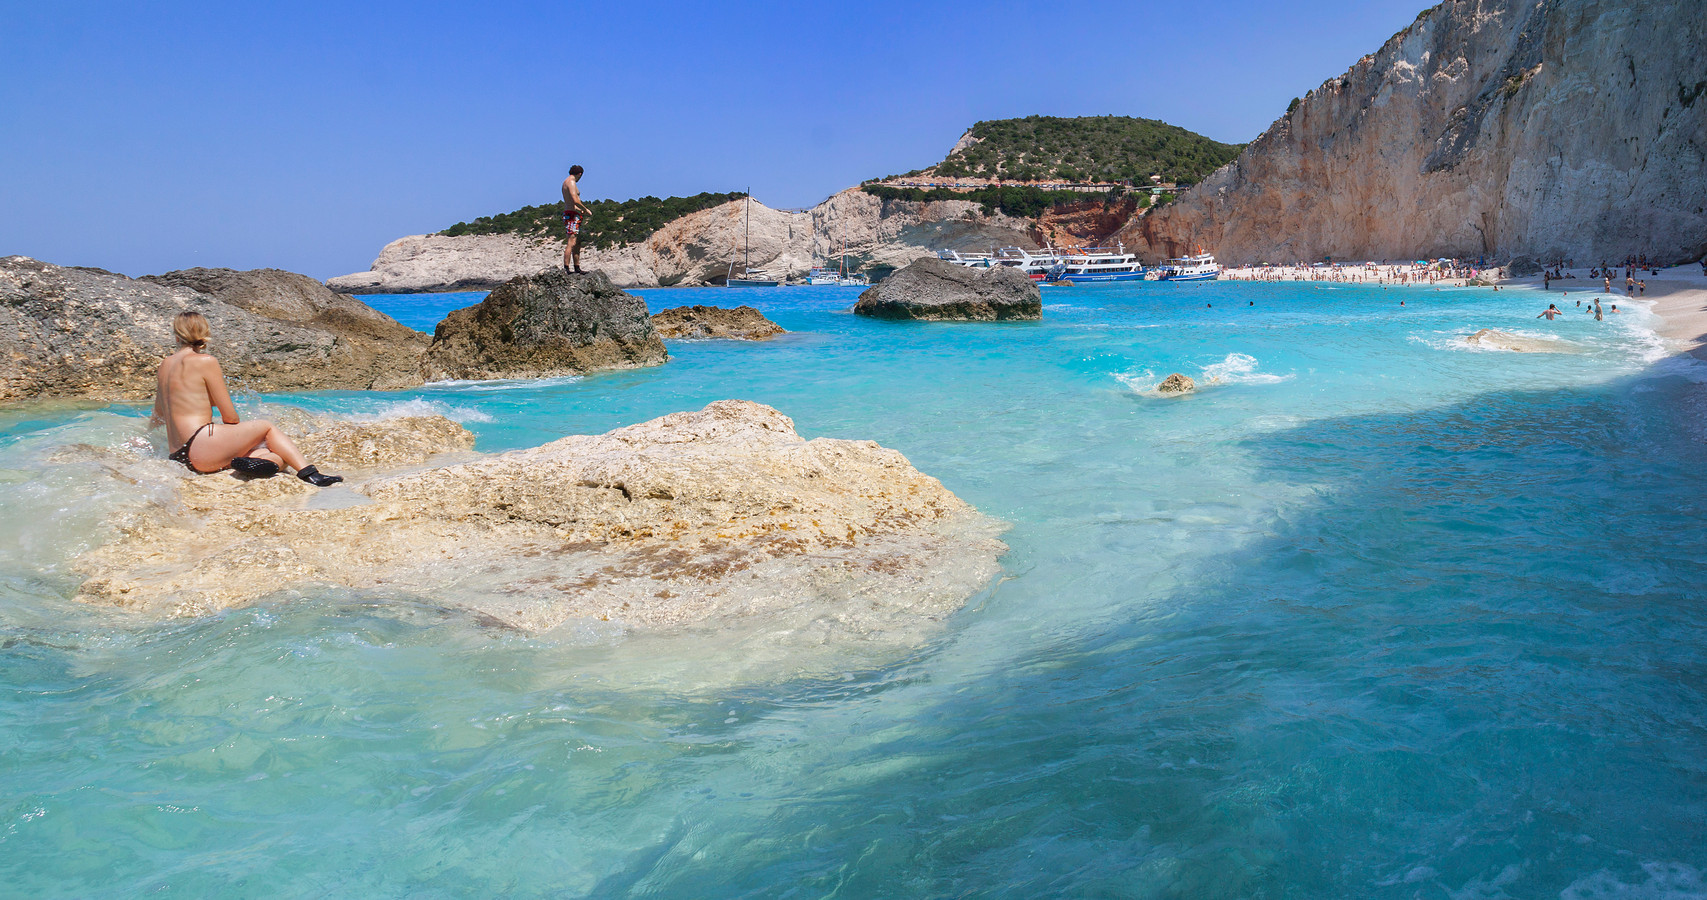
191 329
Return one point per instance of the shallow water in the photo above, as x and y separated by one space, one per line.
1372 614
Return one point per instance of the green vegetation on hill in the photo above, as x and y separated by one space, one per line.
1025 202
1091 148
612 223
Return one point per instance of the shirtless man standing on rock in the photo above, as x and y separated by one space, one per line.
574 213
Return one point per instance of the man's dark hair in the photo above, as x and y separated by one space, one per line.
575 171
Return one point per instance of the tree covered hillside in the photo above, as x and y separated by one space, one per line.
612 223
1091 148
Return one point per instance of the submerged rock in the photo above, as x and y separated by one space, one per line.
540 326
696 516
936 290
1501 340
68 332
743 323
1176 384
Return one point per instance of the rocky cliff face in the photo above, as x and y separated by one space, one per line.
698 248
1512 128
85 333
545 325
723 513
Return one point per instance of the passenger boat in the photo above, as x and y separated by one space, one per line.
1075 264
1201 267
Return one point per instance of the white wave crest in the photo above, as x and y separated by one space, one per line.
1239 368
419 407
1143 382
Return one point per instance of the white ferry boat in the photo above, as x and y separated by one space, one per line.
1202 267
1075 264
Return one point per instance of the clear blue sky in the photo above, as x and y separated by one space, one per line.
147 137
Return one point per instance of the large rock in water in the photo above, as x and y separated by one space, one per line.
1548 129
386 352
743 323
936 290
721 513
545 325
85 333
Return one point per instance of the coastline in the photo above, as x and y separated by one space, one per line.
1678 296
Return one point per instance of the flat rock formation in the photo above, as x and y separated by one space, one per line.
1491 339
1176 384
545 325
372 340
1539 129
697 249
723 513
932 289
85 333
743 323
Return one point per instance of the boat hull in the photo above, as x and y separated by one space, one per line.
1195 276
750 282
1095 277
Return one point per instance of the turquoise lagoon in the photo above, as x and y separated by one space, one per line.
1372 614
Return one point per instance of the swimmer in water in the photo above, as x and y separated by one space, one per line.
1549 312
188 386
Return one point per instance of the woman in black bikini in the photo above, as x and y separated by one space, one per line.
190 385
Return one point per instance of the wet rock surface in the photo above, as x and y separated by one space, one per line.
545 325
723 512
743 323
932 289
1176 384
68 332
1492 339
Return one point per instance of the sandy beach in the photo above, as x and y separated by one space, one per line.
1678 295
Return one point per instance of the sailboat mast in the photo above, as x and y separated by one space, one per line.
747 241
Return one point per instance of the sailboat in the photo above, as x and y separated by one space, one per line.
824 275
748 278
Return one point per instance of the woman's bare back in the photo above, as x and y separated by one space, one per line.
184 399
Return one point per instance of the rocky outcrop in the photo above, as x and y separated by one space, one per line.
934 290
384 444
743 323
697 249
540 326
85 333
1176 384
695 517
1490 339
1546 129
384 352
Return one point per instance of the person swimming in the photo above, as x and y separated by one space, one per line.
188 385
1550 312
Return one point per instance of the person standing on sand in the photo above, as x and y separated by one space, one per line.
574 213
188 386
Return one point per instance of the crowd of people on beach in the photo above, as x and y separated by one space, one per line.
1439 272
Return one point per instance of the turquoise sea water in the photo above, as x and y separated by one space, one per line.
1372 614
